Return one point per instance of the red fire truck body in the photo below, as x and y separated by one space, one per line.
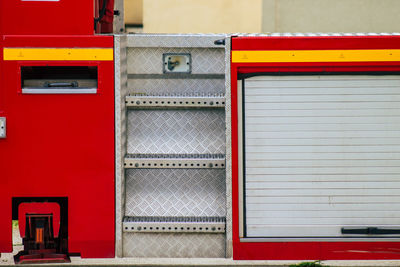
270 147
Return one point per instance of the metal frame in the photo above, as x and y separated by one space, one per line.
191 101
148 84
228 153
120 137
119 24
240 163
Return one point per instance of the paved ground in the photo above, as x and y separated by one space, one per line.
7 259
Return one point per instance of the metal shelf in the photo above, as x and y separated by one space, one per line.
176 101
175 161
174 224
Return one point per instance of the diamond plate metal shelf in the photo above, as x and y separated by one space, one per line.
175 161
175 224
176 101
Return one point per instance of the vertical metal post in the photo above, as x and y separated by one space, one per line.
119 20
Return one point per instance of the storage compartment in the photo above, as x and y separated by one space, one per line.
59 79
320 156
173 186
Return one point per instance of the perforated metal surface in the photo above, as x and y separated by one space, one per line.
176 86
150 224
176 131
175 101
175 161
150 60
162 245
175 192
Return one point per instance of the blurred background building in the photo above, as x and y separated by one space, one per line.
261 16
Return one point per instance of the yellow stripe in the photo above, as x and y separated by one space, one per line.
315 56
60 54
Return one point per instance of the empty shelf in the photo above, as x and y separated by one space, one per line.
174 224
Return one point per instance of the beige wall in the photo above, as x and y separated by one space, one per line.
231 16
202 16
331 16
133 11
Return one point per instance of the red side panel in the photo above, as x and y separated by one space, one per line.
61 145
304 250
47 17
315 43
5 237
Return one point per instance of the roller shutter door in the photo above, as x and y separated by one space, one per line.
321 153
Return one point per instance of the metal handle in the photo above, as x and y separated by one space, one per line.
61 84
3 127
219 42
370 231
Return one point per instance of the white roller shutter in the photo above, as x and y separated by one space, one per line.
321 153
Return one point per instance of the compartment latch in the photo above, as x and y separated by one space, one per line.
3 127
370 231
177 63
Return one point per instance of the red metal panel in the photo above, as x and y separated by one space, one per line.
316 251
304 250
47 17
311 43
6 237
59 41
61 146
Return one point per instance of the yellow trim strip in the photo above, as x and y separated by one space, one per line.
316 56
59 54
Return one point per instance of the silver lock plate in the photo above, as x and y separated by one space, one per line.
2 127
177 63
